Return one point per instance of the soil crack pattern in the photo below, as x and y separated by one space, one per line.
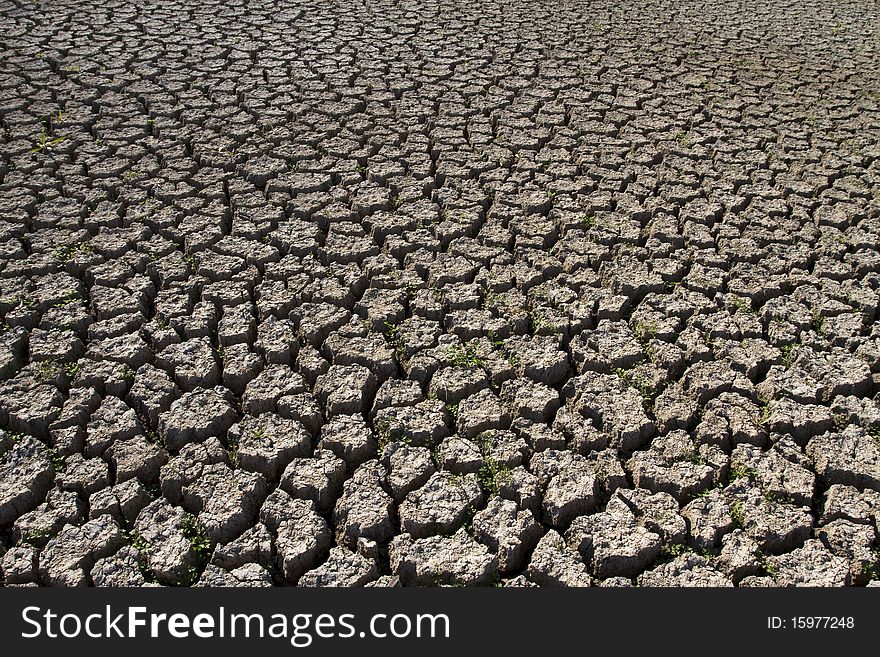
439 293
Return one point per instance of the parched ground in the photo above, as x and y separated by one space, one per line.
367 293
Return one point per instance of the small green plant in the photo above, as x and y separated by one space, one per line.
788 354
465 356
840 420
646 390
742 305
411 289
390 331
57 460
739 471
16 301
388 437
195 534
47 370
705 553
192 576
65 254
126 373
439 577
737 515
492 475
139 543
558 544
145 427
670 552
15 436
692 456
501 348
871 571
780 498
35 536
767 565
764 417
45 142
540 321
232 453
452 409
66 301
651 353
489 299
645 331
638 381
392 335
143 548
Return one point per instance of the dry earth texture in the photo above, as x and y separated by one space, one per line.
439 293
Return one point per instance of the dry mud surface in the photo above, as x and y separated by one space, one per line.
420 293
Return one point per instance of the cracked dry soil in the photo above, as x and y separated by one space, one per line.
439 293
